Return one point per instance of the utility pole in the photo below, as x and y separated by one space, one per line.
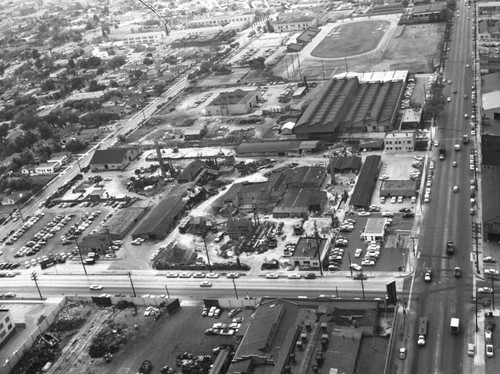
129 274
477 326
362 285
350 263
20 213
166 289
476 229
492 293
234 286
81 258
206 249
318 249
34 278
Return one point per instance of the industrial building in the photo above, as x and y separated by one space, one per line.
233 103
113 158
285 336
299 202
362 194
341 164
162 219
7 325
278 148
348 106
399 141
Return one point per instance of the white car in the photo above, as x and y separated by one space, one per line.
489 350
393 200
212 275
96 287
363 214
418 158
428 183
294 276
272 276
455 188
367 262
206 284
355 267
484 290
358 252
491 271
387 214
448 99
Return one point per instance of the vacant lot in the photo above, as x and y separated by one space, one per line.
351 39
161 341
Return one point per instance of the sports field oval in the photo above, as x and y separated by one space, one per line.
349 39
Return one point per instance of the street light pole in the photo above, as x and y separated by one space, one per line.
206 250
20 213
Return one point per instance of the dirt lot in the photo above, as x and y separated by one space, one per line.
142 338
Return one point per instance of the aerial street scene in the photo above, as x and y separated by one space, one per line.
249 187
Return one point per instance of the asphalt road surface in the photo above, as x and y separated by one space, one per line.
447 217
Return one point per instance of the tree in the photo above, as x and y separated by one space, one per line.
159 88
257 63
48 85
4 131
45 131
116 62
77 83
148 61
35 54
94 86
38 63
74 146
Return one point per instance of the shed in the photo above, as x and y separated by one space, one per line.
287 128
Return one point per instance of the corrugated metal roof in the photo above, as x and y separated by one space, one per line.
362 194
288 146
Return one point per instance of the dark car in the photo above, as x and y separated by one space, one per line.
408 215
146 367
310 276
405 210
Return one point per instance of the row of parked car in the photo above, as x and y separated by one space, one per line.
17 234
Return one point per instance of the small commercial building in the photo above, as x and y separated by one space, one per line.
47 168
399 141
298 202
279 148
374 229
412 118
307 253
95 243
405 188
113 158
294 21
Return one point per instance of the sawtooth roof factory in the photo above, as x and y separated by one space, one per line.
349 105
